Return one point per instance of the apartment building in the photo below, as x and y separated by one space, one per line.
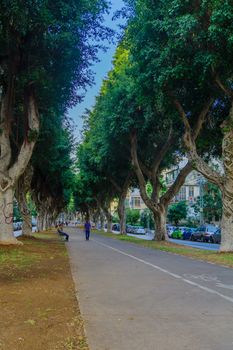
134 200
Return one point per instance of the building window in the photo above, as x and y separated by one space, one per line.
182 193
136 202
191 192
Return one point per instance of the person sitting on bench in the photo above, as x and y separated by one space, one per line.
61 232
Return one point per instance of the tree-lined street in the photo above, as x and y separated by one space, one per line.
136 298
151 157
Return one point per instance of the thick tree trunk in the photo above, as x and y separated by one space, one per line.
26 215
23 186
109 220
6 217
101 220
227 191
109 223
160 225
10 172
40 222
27 224
122 215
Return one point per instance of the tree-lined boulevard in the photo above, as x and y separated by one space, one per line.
167 101
135 298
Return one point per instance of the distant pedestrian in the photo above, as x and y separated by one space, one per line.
87 227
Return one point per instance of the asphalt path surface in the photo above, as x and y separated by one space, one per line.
199 245
135 298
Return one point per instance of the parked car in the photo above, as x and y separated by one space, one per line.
139 230
17 226
188 232
116 227
177 234
129 229
215 237
170 229
206 233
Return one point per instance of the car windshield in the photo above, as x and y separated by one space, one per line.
211 229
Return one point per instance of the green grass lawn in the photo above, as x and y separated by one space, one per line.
199 254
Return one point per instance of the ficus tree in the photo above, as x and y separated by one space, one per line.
144 130
44 59
188 50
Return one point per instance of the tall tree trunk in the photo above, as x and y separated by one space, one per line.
101 220
6 217
227 191
108 216
10 172
23 186
223 181
160 224
27 223
109 223
122 214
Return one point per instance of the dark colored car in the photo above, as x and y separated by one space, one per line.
188 232
206 233
116 227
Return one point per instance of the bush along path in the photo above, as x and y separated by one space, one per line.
38 305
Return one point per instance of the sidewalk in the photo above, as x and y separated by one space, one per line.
134 298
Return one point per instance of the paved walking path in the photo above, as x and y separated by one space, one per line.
134 298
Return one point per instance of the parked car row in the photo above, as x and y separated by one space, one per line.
130 229
137 230
17 225
205 233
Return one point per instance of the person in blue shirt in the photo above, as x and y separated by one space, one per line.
87 227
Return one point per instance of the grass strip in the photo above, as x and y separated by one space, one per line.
39 309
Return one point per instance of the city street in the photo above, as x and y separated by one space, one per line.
199 245
137 298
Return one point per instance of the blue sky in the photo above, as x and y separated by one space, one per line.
100 70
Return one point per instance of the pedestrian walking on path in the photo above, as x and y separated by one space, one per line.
87 227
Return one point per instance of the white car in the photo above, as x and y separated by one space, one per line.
140 231
170 229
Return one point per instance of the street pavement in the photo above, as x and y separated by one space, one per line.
134 298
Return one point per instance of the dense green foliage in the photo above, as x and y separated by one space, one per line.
132 216
177 212
211 203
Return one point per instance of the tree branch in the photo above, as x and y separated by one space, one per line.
189 140
163 150
26 149
220 84
201 119
142 182
5 154
180 180
115 184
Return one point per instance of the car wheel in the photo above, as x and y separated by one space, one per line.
211 240
192 238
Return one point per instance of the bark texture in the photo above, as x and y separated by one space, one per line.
6 217
160 223
122 191
22 188
10 172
